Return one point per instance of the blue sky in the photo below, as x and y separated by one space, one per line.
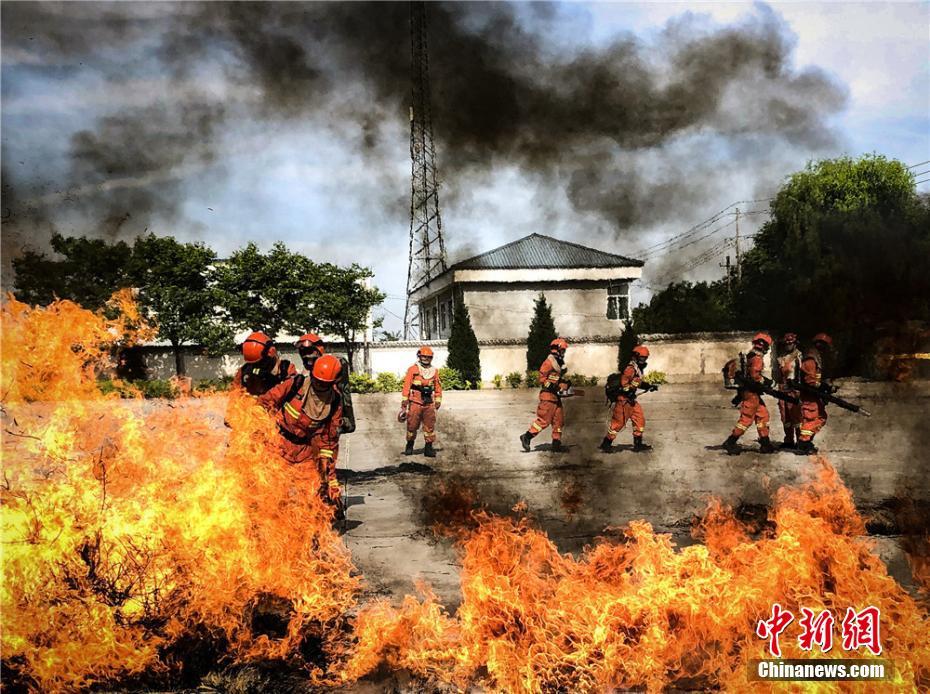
307 182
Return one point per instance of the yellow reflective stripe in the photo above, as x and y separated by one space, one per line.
806 432
535 427
334 483
404 399
613 431
326 453
291 410
742 426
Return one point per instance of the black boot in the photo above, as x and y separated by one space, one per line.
639 446
606 445
765 445
731 446
428 450
788 444
556 445
408 450
525 439
806 448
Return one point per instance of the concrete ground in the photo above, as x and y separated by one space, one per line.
574 495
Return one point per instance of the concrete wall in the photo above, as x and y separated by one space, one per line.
504 311
690 357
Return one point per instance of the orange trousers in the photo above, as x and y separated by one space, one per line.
752 411
623 411
425 414
790 417
813 416
549 412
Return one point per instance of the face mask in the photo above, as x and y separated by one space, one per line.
308 360
426 362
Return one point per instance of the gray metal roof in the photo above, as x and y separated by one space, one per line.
539 252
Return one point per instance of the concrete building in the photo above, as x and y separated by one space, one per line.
588 289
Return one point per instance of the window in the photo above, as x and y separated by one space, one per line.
618 300
443 317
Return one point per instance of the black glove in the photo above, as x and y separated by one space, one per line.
829 388
767 382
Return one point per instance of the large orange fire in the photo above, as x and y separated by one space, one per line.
132 530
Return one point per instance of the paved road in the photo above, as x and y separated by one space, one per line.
573 495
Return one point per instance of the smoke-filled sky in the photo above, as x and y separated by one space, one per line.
612 124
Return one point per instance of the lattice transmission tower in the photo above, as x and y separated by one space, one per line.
427 250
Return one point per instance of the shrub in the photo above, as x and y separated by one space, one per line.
498 381
514 379
452 379
215 385
361 383
656 378
592 381
532 379
156 388
387 382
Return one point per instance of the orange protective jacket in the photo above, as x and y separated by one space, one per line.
418 382
306 421
755 365
550 378
258 381
630 380
812 367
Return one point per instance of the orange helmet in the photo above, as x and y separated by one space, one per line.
327 369
310 342
257 346
558 343
823 337
425 351
763 337
641 351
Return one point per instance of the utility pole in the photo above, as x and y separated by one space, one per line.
727 266
427 257
739 268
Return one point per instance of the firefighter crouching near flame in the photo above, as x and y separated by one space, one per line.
311 347
308 411
420 398
752 408
813 408
550 411
263 368
625 406
783 369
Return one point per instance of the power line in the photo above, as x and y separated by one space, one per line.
691 242
920 173
917 183
698 227
920 163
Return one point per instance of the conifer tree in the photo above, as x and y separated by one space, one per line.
464 354
542 333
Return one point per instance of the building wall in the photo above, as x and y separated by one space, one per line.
682 357
504 311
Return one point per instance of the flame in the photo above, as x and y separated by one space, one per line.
127 530
639 612
131 530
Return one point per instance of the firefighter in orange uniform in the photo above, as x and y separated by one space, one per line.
550 411
752 408
813 409
420 398
308 411
625 405
783 370
311 347
263 369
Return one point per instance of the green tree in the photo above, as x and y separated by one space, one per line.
684 307
88 272
174 290
542 333
263 291
464 353
340 304
628 340
847 248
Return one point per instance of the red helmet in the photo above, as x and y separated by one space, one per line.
257 346
327 369
310 342
641 351
763 337
425 351
558 343
823 337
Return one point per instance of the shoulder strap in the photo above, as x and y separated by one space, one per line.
297 382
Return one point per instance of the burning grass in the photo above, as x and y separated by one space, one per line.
141 547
